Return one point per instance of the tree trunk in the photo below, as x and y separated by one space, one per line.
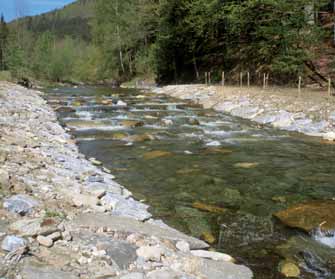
197 75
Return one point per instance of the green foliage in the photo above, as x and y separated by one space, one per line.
172 40
3 42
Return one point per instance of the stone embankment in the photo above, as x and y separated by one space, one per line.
311 113
63 216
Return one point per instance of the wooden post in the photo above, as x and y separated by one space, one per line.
209 78
264 81
241 79
223 79
329 87
299 86
206 78
248 76
267 80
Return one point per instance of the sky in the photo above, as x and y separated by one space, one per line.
12 9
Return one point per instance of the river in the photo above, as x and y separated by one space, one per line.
211 175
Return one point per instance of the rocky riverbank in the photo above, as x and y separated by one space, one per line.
311 112
63 216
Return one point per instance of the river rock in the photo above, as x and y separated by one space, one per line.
32 270
310 215
65 109
289 269
44 241
133 275
122 253
216 256
121 103
246 165
34 227
156 154
12 243
183 246
217 269
193 121
125 207
196 222
163 274
231 197
21 204
132 123
307 252
140 138
150 253
96 179
208 207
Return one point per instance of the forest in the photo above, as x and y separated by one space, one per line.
173 41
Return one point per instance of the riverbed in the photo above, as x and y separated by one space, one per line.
214 176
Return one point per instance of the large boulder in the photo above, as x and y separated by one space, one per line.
310 215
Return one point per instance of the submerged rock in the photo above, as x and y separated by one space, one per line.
196 222
21 204
139 138
307 252
310 215
132 123
246 165
156 154
289 269
208 208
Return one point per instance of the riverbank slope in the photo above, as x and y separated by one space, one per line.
63 216
311 112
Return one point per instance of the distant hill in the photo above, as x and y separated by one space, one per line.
71 20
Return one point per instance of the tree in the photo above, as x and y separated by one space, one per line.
3 42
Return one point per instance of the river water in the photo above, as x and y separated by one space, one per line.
211 175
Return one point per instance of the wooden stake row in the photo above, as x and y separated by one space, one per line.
265 81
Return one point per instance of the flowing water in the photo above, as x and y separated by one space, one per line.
208 174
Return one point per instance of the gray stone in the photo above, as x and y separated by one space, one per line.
95 178
21 204
126 207
134 275
121 252
219 270
162 274
44 272
34 227
124 224
12 243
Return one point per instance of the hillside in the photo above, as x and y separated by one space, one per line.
72 20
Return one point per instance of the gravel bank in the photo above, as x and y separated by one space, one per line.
311 113
63 216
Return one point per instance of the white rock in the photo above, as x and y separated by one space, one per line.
329 136
183 246
150 253
216 256
44 241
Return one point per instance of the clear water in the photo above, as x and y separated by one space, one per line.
224 161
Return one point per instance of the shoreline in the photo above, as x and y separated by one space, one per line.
312 113
64 216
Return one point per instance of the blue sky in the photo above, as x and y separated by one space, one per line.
12 9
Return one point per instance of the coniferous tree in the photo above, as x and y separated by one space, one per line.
3 42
